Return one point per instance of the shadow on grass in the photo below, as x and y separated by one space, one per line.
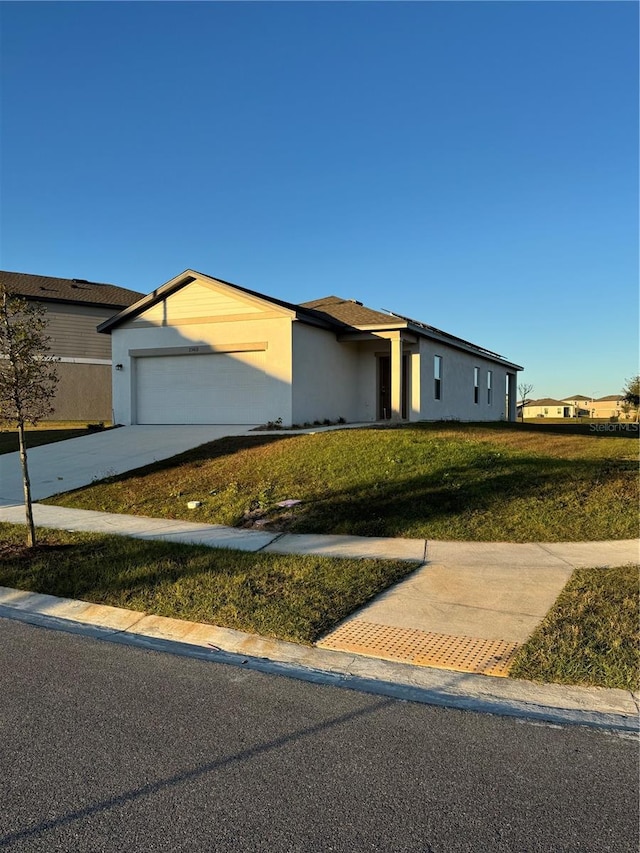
101 566
454 501
289 597
35 438
497 493
594 429
208 452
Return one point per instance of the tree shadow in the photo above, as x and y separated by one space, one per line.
190 774
218 449
450 493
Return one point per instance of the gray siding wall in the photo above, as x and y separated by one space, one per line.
72 329
84 390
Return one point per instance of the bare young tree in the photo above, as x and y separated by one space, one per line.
28 376
524 389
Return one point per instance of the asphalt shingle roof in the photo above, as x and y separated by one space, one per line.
46 288
350 312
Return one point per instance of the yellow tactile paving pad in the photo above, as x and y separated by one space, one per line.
424 648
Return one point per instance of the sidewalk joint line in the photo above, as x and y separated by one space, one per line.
266 544
551 554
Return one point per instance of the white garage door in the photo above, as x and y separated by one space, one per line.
211 388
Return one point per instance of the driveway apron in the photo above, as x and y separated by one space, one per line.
66 465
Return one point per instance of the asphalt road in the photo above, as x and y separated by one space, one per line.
112 748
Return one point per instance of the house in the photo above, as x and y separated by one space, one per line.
607 407
74 308
547 407
580 405
202 350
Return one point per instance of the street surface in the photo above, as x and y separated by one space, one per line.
112 748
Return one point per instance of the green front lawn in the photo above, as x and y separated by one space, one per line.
44 433
491 482
296 598
590 636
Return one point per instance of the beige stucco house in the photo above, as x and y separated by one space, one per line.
576 406
74 307
202 350
580 405
607 407
547 407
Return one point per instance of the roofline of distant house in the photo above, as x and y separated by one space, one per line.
62 300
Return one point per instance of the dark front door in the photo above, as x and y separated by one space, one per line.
384 386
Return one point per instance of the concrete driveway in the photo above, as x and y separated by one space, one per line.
66 465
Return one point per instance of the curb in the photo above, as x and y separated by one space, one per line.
611 709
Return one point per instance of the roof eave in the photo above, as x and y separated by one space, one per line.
114 306
321 323
187 277
464 346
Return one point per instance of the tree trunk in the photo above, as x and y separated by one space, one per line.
31 531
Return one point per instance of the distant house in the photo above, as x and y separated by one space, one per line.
202 350
581 405
74 309
547 407
575 406
607 407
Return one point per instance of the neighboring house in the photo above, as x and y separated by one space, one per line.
74 308
547 408
580 405
202 350
607 407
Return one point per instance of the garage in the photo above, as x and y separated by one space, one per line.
204 388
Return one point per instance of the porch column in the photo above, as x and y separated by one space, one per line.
512 395
396 376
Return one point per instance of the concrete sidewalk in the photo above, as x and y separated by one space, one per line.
65 465
479 601
216 535
481 590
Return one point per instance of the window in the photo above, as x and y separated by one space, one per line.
437 377
476 384
489 386
546 411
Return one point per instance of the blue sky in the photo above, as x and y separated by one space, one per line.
471 164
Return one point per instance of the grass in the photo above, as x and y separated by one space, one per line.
590 636
482 482
296 598
44 433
